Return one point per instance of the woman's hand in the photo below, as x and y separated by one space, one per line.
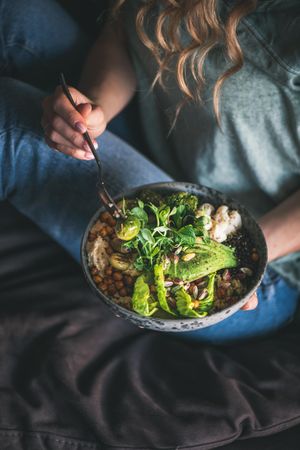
64 126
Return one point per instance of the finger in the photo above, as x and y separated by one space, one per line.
74 152
85 109
63 107
251 304
61 133
94 118
96 121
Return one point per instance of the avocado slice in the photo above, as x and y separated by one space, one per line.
209 258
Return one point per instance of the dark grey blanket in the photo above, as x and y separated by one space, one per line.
74 377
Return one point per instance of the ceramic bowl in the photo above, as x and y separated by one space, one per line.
175 325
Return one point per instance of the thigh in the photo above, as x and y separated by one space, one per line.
38 39
56 191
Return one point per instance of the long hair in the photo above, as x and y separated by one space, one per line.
201 21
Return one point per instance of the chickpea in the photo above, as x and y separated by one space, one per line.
123 292
108 271
112 290
128 280
103 232
105 216
103 286
109 251
112 222
91 237
97 278
109 230
109 281
118 276
119 285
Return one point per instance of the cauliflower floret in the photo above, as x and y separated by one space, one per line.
221 214
206 209
235 222
97 255
225 222
218 231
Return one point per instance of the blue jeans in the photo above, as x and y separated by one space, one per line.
58 192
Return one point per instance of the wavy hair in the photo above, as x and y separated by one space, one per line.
201 21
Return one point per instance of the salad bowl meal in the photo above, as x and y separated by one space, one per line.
185 257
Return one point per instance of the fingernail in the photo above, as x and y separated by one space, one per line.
88 155
80 127
86 146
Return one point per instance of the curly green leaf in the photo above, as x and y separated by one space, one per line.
159 280
185 306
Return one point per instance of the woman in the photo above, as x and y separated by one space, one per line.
222 111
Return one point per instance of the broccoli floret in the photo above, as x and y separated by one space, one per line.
190 201
148 196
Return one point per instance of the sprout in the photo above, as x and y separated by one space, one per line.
119 261
128 229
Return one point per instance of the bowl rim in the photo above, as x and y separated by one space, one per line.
182 186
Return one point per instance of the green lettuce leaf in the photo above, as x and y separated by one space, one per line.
159 280
140 298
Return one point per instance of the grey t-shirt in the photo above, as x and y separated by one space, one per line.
255 157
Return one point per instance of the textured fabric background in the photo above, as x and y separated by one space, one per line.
72 376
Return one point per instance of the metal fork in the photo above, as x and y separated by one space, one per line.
105 197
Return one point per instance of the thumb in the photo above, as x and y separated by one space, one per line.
84 109
251 304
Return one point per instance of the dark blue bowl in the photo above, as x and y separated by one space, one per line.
207 195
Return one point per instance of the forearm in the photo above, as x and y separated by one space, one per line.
108 78
281 227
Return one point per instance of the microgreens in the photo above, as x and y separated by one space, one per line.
160 235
